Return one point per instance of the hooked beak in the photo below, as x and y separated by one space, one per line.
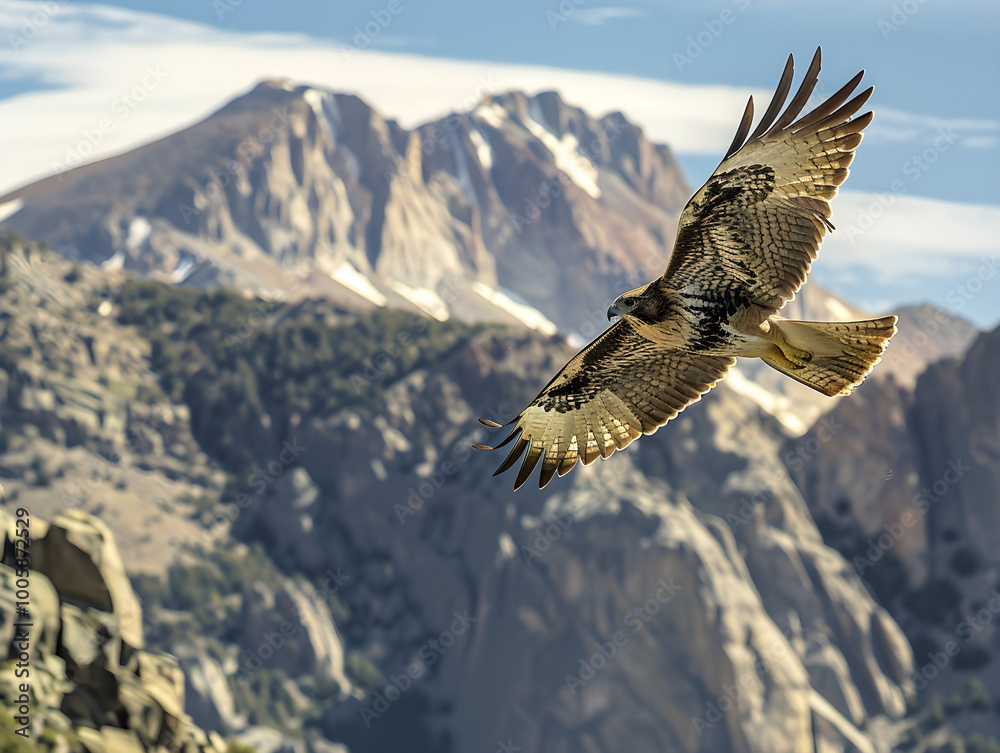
613 312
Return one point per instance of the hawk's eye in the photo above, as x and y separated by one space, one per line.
628 302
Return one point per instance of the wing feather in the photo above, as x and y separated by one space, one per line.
802 95
780 94
618 388
757 224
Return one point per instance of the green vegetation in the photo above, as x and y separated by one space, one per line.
935 713
977 695
240 368
49 739
977 743
194 594
209 598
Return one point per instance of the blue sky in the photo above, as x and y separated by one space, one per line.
931 58
922 197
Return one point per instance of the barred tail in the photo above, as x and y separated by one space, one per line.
843 353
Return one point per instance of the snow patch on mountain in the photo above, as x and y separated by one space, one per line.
138 231
492 113
184 267
781 407
10 208
425 299
114 263
565 152
483 150
351 278
325 108
527 315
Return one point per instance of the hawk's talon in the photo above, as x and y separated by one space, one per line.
799 358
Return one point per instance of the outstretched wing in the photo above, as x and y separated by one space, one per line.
617 388
756 225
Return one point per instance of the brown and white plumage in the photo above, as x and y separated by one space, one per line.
744 245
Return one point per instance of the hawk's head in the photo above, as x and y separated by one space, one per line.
641 303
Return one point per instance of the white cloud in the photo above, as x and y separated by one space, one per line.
95 56
979 142
101 58
906 234
898 126
600 16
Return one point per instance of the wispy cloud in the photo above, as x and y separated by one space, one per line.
89 55
600 16
908 232
901 127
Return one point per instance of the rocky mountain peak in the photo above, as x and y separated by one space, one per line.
296 191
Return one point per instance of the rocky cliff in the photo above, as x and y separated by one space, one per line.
677 597
909 491
293 489
76 673
524 209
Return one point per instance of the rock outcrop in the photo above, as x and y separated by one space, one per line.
485 607
908 490
88 679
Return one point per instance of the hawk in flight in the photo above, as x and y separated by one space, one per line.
744 244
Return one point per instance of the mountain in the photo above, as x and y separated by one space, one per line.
76 672
523 209
279 443
680 596
908 488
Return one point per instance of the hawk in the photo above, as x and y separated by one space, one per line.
744 244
